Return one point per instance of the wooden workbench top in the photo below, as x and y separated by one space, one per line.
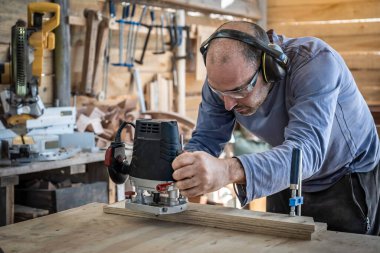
88 229
80 158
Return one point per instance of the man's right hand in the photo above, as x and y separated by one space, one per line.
198 173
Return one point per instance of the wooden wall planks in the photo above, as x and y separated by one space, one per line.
331 10
352 27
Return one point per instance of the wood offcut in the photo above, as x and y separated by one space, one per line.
232 219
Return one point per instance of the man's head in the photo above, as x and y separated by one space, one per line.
233 69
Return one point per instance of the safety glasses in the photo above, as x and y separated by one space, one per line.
240 92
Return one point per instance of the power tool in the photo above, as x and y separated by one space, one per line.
156 144
21 101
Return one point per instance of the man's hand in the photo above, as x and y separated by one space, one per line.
198 173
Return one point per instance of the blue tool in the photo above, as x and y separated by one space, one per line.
296 199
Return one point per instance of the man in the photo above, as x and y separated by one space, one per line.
311 103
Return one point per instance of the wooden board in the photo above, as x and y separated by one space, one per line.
327 28
88 229
362 59
230 218
323 10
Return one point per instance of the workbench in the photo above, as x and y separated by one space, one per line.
89 229
9 178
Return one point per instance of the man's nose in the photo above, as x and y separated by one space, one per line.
229 103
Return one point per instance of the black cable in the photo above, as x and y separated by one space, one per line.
121 127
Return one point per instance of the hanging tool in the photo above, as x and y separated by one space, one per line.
296 199
112 14
150 27
93 19
125 14
131 33
160 37
100 52
154 189
133 46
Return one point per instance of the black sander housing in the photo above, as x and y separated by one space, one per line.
156 144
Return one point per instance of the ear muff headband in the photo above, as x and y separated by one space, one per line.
277 55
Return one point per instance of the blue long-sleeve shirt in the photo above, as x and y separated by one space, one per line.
317 107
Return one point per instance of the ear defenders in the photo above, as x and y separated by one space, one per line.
273 60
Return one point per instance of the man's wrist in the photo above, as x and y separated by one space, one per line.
235 171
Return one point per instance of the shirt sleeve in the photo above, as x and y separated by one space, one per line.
314 89
214 125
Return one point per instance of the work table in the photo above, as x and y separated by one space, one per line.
88 229
9 177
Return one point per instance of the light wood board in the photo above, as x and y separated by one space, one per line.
230 218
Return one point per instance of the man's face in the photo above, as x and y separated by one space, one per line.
239 84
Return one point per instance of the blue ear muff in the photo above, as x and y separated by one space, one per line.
274 60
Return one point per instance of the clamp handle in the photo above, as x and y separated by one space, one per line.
296 199
295 166
112 9
43 7
125 14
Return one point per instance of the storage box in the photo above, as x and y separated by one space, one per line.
63 198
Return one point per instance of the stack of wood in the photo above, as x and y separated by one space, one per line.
104 117
159 94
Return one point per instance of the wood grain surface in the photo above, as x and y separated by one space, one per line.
89 229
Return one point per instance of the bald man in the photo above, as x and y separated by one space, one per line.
316 106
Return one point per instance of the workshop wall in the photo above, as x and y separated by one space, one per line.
352 27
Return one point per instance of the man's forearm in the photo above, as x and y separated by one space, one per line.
235 171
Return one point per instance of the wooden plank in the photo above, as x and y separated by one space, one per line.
111 191
11 11
362 59
27 212
370 95
203 32
326 28
368 82
230 218
192 114
273 3
8 180
192 103
77 7
327 11
354 43
46 89
367 77
88 229
193 86
7 199
258 204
